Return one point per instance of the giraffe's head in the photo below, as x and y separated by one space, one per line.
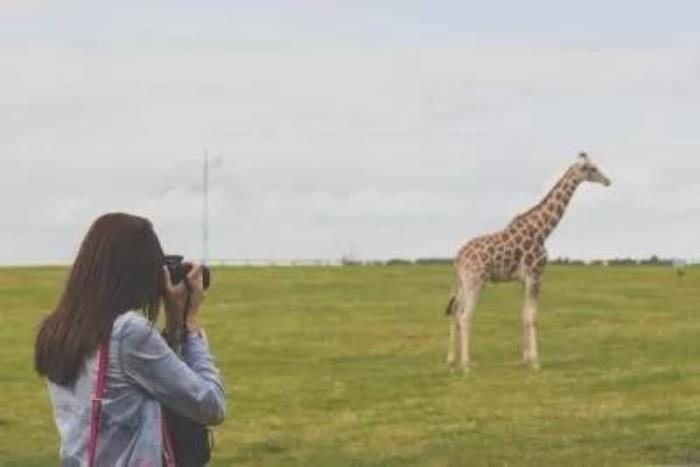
586 170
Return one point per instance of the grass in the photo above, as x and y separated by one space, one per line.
345 367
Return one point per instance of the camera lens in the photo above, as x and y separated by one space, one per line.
179 270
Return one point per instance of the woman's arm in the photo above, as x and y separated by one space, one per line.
191 387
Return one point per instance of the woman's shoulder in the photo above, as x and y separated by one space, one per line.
132 324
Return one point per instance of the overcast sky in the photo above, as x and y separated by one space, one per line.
371 128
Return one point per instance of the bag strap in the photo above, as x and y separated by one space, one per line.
96 400
167 442
96 411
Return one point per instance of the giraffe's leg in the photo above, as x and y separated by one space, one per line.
530 307
462 321
462 345
455 337
454 345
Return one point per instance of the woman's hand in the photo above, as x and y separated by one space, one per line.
176 297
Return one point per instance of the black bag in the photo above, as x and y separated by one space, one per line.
191 441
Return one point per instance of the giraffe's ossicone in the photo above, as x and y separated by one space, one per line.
515 253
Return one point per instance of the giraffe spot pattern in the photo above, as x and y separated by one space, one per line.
519 247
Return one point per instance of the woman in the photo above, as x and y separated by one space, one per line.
118 271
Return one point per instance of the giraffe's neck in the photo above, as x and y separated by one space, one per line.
547 214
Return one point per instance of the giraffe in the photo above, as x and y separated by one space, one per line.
516 253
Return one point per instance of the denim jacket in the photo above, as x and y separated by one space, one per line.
142 374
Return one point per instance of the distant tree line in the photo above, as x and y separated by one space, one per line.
562 261
653 260
397 262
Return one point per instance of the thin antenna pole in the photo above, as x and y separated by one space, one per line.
205 209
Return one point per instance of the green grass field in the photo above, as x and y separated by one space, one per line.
346 366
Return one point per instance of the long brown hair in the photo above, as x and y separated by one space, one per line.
118 268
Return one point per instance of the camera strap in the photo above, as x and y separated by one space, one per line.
188 303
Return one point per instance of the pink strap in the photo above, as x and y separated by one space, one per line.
96 400
167 442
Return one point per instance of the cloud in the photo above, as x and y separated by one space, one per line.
61 212
385 149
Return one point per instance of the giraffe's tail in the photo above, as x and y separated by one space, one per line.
450 308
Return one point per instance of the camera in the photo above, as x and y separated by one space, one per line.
179 270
